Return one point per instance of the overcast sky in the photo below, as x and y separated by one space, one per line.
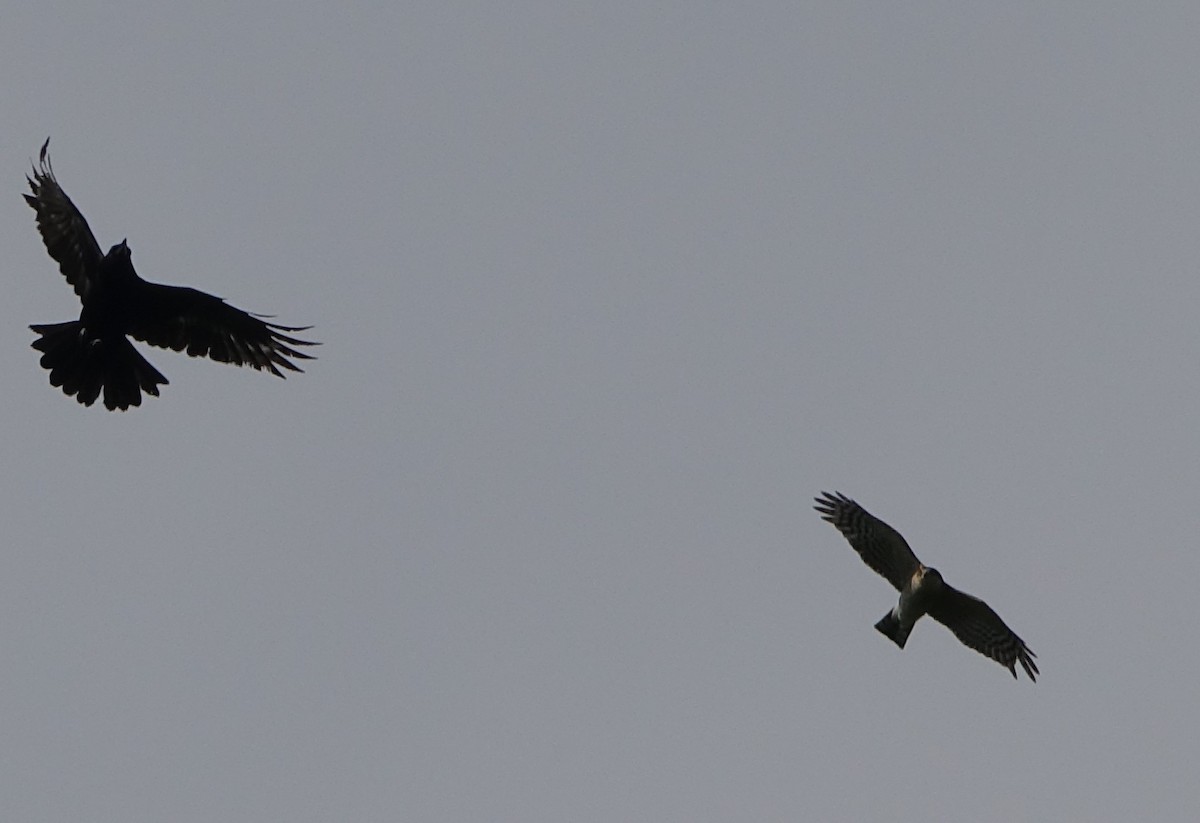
608 292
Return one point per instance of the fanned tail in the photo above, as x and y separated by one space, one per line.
892 630
85 366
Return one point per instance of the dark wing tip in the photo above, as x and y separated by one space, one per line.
280 348
288 340
290 329
44 169
828 504
1011 651
276 328
1025 655
1020 653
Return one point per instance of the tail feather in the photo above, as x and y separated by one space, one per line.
892 629
84 366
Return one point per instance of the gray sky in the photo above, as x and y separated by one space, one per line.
608 292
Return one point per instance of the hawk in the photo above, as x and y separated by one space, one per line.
93 354
922 590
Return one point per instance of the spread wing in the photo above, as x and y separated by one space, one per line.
183 319
976 625
63 229
877 543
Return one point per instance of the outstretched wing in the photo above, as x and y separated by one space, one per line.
881 546
63 229
183 319
976 625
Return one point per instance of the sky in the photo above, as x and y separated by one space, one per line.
607 293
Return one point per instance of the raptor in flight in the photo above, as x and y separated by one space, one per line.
922 590
93 355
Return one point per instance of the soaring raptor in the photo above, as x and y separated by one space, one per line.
93 354
922 590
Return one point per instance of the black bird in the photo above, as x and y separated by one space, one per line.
93 354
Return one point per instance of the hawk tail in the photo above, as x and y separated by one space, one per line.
84 366
892 629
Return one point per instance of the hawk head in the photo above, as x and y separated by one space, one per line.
929 578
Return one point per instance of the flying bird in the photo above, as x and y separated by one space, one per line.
93 355
922 590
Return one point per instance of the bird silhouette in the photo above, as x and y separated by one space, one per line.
93 355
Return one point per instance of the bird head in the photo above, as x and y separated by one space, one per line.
120 250
931 577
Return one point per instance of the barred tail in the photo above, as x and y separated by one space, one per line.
83 366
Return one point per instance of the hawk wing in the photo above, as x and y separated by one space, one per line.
183 319
976 625
881 546
63 229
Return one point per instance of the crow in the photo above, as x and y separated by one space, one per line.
93 354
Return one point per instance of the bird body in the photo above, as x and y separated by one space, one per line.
93 356
922 589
